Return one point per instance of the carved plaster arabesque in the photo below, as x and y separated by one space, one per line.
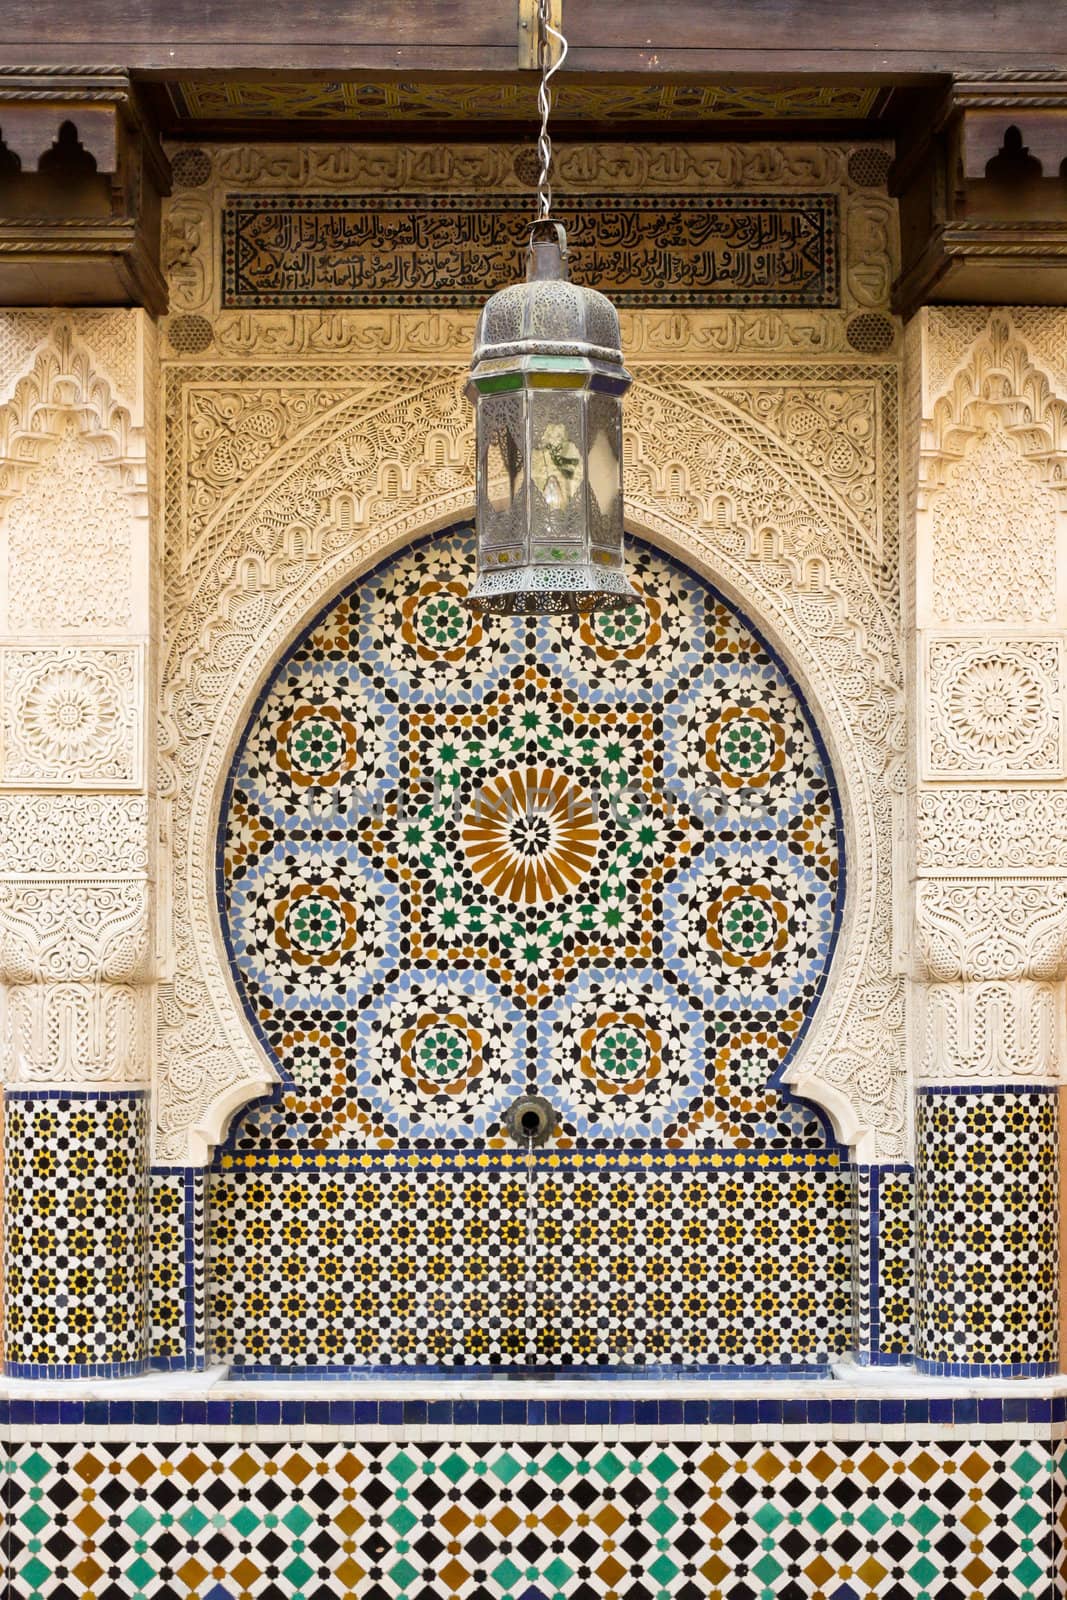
72 716
69 546
362 478
73 930
1009 1032
74 490
50 833
75 1032
978 929
993 707
992 492
991 830
192 222
75 897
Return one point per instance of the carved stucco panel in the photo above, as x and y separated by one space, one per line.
981 929
993 707
48 833
69 545
75 1033
71 930
991 508
991 1032
72 716
361 480
996 830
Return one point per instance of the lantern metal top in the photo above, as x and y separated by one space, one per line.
538 341
548 314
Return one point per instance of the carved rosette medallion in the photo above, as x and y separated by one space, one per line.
71 716
994 708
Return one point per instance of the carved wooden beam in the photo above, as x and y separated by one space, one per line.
82 176
983 197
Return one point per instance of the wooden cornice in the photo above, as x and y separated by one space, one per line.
982 188
79 211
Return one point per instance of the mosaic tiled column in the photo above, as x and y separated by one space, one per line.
990 835
76 838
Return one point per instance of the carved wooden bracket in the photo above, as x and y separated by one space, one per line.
983 197
82 177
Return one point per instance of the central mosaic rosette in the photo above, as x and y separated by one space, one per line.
530 835
462 858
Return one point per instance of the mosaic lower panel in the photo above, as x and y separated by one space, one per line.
176 1255
529 1521
75 1232
372 1267
987 1228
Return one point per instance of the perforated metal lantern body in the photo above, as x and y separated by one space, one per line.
547 382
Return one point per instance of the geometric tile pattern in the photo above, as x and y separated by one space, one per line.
986 1201
75 1246
461 856
571 1520
553 1266
176 1268
885 1264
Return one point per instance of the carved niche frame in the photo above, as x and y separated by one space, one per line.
812 593
378 451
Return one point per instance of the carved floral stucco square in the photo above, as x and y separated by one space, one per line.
994 707
72 717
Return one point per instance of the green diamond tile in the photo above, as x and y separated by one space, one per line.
192 1520
923 1520
1027 1571
558 1467
873 1519
662 1519
557 1573
36 1467
923 1571
402 1520
506 1574
768 1517
505 1467
663 1569
821 1518
767 1569
663 1467
609 1466
454 1466
403 1574
35 1517
34 1572
296 1519
245 1521
402 1467
1026 1466
1027 1518
142 1573
298 1572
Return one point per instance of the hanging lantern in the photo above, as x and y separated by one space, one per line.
546 383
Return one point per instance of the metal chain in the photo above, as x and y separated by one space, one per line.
544 104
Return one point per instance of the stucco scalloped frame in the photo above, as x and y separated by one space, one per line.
800 573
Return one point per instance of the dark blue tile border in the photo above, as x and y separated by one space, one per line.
1013 1089
19 1093
812 1419
989 1369
90 1369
